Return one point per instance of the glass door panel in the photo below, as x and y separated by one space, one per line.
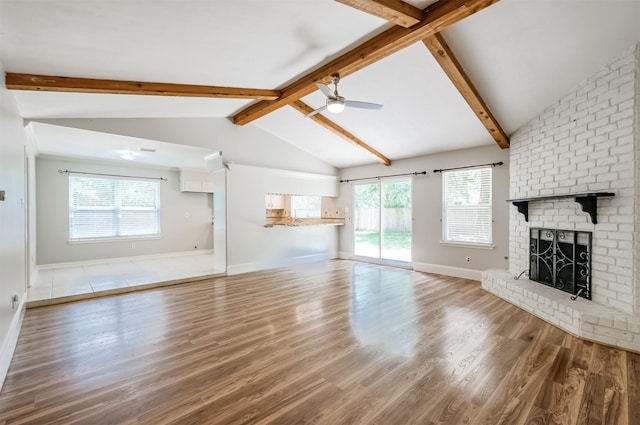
366 224
396 221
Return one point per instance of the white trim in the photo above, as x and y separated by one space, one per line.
233 269
286 173
215 155
344 255
123 259
383 262
33 276
113 239
9 344
448 271
475 245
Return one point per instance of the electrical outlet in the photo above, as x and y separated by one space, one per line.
468 259
133 244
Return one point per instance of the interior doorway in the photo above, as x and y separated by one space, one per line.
382 220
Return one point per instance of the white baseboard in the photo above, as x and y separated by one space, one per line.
286 262
122 259
9 344
344 255
448 271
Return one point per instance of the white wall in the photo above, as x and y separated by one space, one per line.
247 144
251 246
12 225
31 202
428 254
179 232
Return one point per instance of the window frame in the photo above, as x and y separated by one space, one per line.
487 207
117 210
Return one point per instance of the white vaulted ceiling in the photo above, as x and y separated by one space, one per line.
521 55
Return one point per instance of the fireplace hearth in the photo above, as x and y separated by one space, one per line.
561 259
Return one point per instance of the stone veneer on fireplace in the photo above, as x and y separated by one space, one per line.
588 141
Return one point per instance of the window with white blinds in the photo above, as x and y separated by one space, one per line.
304 206
111 208
466 201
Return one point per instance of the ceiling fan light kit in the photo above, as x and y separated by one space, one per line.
336 103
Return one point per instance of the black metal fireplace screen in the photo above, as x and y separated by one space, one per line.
561 259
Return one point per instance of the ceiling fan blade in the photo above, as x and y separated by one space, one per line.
326 90
320 109
362 105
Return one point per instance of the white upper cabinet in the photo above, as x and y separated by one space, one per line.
196 181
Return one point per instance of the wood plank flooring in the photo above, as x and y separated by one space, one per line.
330 343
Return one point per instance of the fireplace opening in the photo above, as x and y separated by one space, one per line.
561 259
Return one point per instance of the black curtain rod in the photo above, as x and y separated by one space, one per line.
112 175
390 175
493 164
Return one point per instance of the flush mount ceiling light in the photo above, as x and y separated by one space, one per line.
128 155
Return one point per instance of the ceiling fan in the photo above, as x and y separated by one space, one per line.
336 103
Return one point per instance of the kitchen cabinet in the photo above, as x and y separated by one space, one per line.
196 181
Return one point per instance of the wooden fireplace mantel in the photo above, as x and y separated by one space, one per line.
588 201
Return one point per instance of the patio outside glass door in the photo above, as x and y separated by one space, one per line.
382 220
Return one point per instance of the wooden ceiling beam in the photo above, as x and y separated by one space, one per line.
335 128
449 63
394 11
87 85
437 17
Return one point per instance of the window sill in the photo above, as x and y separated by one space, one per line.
474 245
106 240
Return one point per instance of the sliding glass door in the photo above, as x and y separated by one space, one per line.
382 220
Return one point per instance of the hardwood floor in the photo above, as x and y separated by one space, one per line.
328 343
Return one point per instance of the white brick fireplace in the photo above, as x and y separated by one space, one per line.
588 141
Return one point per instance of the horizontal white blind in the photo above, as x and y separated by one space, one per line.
467 205
105 208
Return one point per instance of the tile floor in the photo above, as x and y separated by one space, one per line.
64 284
